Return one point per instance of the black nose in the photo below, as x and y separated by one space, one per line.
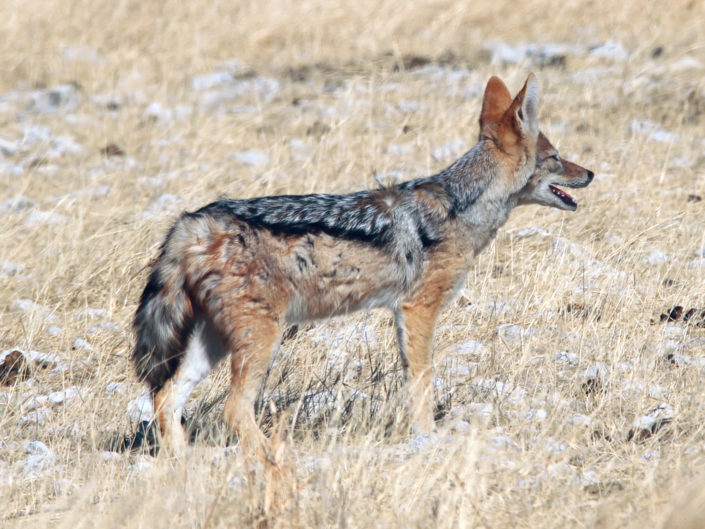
591 175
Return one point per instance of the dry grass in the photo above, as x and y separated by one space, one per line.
545 448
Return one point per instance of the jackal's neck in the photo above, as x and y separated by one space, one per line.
467 178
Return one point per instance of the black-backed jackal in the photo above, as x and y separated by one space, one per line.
232 275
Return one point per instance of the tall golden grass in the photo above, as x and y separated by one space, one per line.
546 447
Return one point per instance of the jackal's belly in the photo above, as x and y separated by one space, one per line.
336 277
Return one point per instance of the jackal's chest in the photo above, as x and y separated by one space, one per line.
483 221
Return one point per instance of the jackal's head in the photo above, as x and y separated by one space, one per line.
553 171
510 131
550 171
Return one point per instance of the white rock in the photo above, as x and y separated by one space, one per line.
579 419
37 463
401 149
35 447
450 150
462 427
115 388
611 49
27 305
45 359
596 371
510 332
469 348
50 100
564 357
96 313
263 88
110 456
36 417
650 129
16 204
65 397
157 111
650 455
554 447
6 475
656 257
81 54
252 158
664 136
299 145
684 64
238 484
211 80
62 145
164 204
537 54
81 344
12 169
503 442
408 106
563 247
142 463
141 408
9 269
45 217
530 232
35 402
8 147
536 415
104 326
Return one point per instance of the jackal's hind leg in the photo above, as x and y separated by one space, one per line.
203 351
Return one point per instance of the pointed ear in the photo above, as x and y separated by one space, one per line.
496 101
524 109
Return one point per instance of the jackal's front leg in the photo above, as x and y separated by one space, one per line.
416 321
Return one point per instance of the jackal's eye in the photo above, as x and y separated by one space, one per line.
555 157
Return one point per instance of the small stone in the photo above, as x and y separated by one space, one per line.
9 269
35 447
164 204
115 388
111 149
14 368
579 419
50 100
81 344
252 158
611 49
469 348
211 80
564 357
157 112
452 149
16 204
65 397
36 417
656 257
45 217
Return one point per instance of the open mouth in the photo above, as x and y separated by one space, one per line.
565 197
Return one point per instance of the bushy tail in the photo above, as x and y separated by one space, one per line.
164 320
